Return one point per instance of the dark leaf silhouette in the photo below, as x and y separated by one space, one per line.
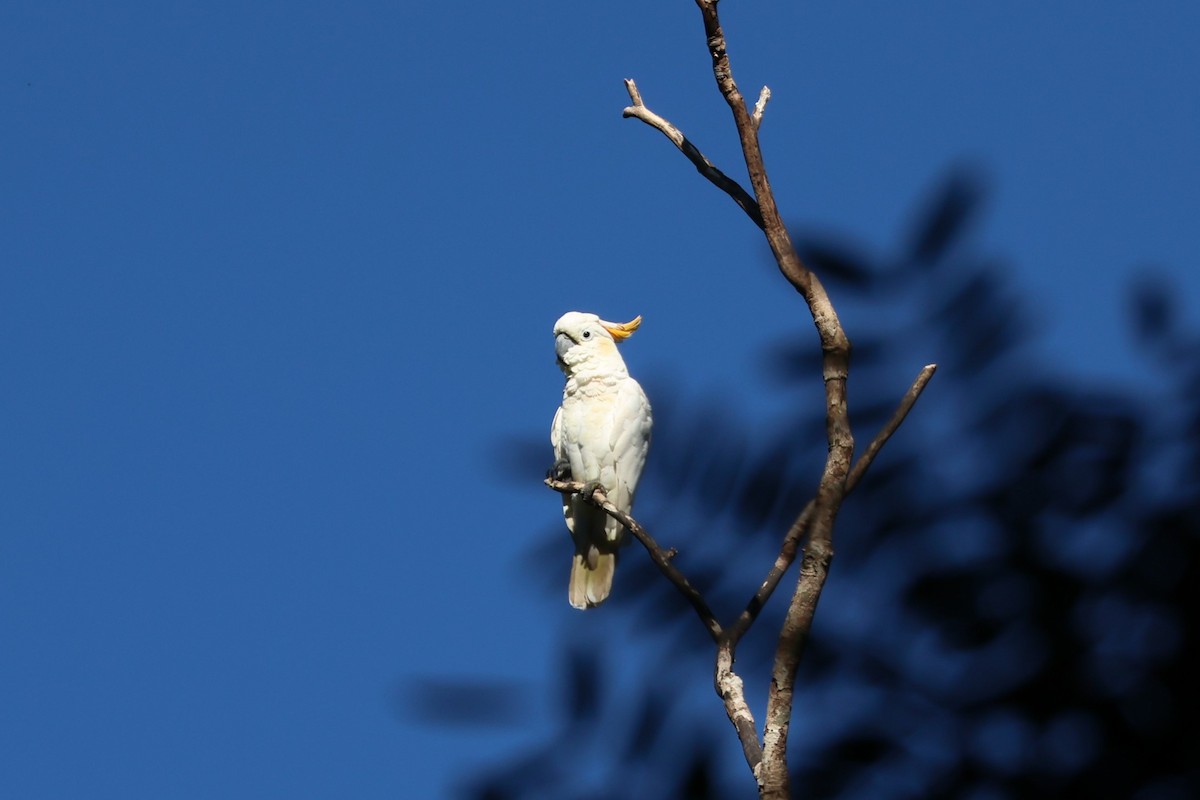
837 262
1153 309
584 687
946 218
464 702
648 724
979 321
697 783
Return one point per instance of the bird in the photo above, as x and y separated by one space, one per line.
600 436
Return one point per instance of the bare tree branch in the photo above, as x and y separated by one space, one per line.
660 557
835 346
768 759
703 165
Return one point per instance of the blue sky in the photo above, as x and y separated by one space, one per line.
278 276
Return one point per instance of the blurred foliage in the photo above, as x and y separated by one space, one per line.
1013 607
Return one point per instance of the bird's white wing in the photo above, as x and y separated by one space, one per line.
560 441
629 441
556 436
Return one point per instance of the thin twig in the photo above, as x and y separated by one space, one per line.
906 404
705 167
660 557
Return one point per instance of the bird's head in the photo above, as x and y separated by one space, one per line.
586 339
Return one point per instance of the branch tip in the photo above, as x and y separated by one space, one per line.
634 94
763 97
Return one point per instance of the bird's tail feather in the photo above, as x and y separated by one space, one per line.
591 576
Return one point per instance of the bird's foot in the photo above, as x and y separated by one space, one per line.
561 471
589 489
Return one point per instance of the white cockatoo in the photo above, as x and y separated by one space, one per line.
601 434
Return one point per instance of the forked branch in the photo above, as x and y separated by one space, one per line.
795 534
705 167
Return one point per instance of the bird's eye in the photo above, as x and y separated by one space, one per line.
587 334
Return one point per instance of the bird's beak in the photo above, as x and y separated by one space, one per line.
622 330
562 343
